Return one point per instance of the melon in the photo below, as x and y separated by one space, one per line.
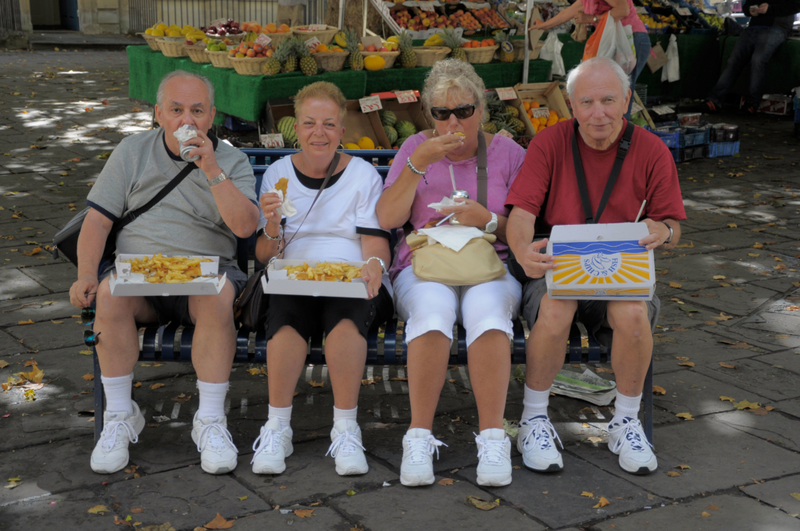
391 134
286 128
387 118
405 129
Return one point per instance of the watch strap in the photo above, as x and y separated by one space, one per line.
671 232
218 179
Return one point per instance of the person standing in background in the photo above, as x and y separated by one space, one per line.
291 12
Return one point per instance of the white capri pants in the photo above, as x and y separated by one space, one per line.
427 306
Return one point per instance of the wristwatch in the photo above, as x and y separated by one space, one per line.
218 179
492 225
671 233
274 238
380 261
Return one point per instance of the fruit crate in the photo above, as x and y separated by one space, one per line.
694 136
689 153
671 139
723 149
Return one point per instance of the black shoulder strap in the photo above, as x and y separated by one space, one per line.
622 151
159 196
482 174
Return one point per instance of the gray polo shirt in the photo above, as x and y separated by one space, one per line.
187 221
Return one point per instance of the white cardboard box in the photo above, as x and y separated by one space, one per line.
280 284
600 262
127 284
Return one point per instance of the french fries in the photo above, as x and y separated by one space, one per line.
282 185
168 269
325 271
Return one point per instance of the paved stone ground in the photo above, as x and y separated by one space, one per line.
730 297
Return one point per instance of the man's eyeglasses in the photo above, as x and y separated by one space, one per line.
462 112
87 318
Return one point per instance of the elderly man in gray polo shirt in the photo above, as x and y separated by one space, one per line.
202 216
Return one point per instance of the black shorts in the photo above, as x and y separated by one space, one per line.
590 312
176 309
310 315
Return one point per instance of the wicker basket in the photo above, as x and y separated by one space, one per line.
277 38
234 39
482 55
324 36
171 46
197 53
428 55
220 59
151 41
331 61
389 57
248 66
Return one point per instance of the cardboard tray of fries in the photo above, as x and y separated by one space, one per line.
600 262
279 282
127 284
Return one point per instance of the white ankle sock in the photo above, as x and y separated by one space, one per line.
347 414
535 403
626 406
118 393
284 414
212 399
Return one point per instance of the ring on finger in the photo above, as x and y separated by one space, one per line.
202 142
454 221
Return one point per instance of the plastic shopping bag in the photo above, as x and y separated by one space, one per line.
672 70
625 52
593 43
612 40
551 51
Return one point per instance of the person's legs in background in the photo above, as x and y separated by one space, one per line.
766 44
739 58
642 43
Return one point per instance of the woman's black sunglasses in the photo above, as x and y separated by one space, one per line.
462 112
89 337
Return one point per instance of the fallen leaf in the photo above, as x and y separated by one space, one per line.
304 513
687 364
658 390
674 474
705 514
182 398
88 377
685 416
3 364
795 495
137 510
732 225
728 365
120 521
602 503
688 245
219 523
753 254
683 467
88 109
682 358
99 509
32 252
723 317
157 386
255 371
727 399
445 482
483 505
314 383
745 404
137 385
29 321
675 285
35 376
719 277
595 440
587 494
242 498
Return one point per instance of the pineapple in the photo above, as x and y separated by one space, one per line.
453 41
490 127
517 125
511 110
356 60
288 56
506 50
502 124
307 63
408 57
273 64
494 105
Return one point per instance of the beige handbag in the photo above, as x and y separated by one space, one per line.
475 263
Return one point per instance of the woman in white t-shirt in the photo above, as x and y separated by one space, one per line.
341 226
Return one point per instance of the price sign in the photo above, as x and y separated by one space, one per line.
541 112
426 6
635 107
503 132
312 43
263 40
506 93
684 11
405 96
272 141
317 27
370 104
664 109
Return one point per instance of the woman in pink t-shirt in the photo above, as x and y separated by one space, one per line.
454 97
590 11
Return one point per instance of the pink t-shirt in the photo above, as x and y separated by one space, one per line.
598 7
504 158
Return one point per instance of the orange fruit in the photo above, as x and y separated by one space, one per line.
271 28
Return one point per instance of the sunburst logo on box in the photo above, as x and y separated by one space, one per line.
599 262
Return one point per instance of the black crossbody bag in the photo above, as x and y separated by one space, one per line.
250 309
624 146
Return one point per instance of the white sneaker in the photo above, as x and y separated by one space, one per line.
418 448
110 454
346 448
535 443
494 452
271 448
214 442
628 441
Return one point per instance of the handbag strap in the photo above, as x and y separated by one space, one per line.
131 216
622 151
481 169
331 169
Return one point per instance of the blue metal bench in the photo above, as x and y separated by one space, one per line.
160 343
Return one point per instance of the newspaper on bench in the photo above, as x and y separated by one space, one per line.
587 386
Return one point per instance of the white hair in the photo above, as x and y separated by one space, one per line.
453 75
183 73
596 63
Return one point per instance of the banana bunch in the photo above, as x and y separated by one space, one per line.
251 36
714 21
434 40
340 39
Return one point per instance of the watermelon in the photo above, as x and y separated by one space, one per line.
387 117
391 134
286 128
405 129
